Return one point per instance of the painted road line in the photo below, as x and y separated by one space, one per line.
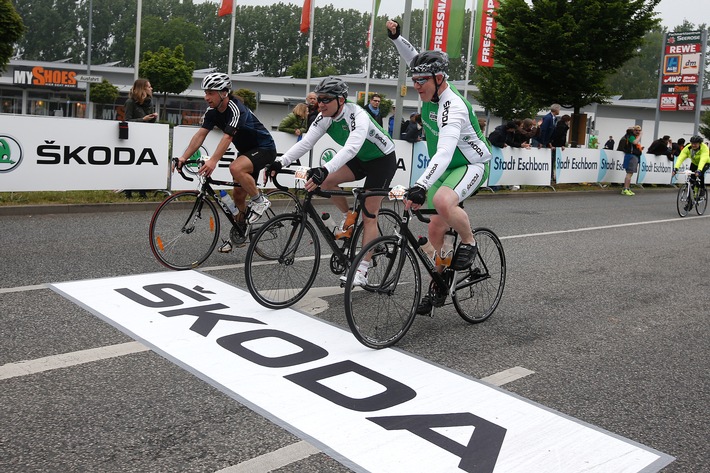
38 365
8 290
300 450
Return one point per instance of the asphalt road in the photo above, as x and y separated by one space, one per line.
606 302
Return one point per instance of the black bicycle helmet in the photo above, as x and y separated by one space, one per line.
216 81
430 62
332 86
696 139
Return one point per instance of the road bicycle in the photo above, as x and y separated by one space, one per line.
380 313
185 228
691 195
284 256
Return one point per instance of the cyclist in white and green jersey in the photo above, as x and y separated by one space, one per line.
367 152
457 147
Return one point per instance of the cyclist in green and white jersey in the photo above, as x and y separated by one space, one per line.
367 152
457 147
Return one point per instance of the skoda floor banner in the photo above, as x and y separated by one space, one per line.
61 154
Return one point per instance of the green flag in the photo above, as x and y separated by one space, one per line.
446 19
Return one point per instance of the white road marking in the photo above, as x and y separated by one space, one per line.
7 290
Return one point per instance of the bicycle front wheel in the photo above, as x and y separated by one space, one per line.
387 224
380 313
702 202
282 261
184 230
683 199
480 288
282 202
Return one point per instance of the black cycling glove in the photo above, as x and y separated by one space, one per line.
417 194
396 33
318 175
276 166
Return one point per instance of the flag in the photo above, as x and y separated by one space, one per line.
374 15
306 16
226 8
446 18
485 32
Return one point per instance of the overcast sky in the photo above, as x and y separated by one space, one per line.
673 12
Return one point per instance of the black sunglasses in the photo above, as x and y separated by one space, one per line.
420 80
325 100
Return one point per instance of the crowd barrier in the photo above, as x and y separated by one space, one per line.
59 154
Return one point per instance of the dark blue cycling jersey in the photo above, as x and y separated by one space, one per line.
241 124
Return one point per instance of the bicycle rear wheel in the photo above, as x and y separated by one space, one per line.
184 230
480 288
702 201
282 261
380 313
387 224
682 201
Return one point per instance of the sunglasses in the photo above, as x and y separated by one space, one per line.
325 100
420 80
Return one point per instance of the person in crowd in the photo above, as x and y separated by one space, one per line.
609 143
559 135
482 124
459 153
140 108
630 144
547 128
295 122
661 147
414 128
311 101
525 133
699 156
254 144
367 152
503 135
373 108
402 127
677 147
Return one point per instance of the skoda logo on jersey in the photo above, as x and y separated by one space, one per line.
372 133
432 116
10 153
327 155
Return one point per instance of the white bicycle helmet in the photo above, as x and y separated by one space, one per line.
217 81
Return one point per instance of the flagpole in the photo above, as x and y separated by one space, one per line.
369 55
139 12
470 47
231 37
311 16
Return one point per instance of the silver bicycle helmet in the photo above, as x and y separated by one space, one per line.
332 86
430 62
216 81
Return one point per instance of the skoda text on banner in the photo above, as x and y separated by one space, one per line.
376 411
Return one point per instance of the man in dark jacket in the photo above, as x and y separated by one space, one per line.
503 135
661 147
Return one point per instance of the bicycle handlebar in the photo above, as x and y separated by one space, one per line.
176 165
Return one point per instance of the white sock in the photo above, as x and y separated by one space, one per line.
364 267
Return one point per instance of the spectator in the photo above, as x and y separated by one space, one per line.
525 133
677 147
609 143
631 146
139 108
402 126
559 135
482 124
312 102
414 128
503 135
661 147
296 122
373 108
547 127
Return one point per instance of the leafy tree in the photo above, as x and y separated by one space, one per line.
638 77
248 96
11 29
704 127
167 71
52 30
567 53
103 93
319 68
500 93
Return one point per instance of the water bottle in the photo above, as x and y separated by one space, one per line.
447 249
227 199
427 247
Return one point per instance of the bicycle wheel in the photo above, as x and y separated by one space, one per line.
184 230
387 224
282 202
286 273
682 201
480 288
380 313
702 202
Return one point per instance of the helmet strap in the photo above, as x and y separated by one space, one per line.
435 97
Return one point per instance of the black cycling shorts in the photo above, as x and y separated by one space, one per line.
259 158
378 173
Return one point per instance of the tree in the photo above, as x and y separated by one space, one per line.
104 92
568 51
248 96
638 77
499 93
704 127
167 71
11 29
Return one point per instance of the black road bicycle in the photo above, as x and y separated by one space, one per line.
380 313
284 255
691 195
185 228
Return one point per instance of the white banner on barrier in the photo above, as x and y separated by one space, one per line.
654 170
61 154
519 166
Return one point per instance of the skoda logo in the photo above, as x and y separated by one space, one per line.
10 153
327 155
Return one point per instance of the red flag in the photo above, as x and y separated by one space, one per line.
225 8
306 16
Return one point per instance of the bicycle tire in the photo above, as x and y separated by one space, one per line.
479 289
701 204
682 200
382 312
387 224
282 202
184 230
287 272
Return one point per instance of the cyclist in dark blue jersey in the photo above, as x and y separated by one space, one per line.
254 144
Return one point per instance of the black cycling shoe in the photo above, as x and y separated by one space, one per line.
465 254
424 307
